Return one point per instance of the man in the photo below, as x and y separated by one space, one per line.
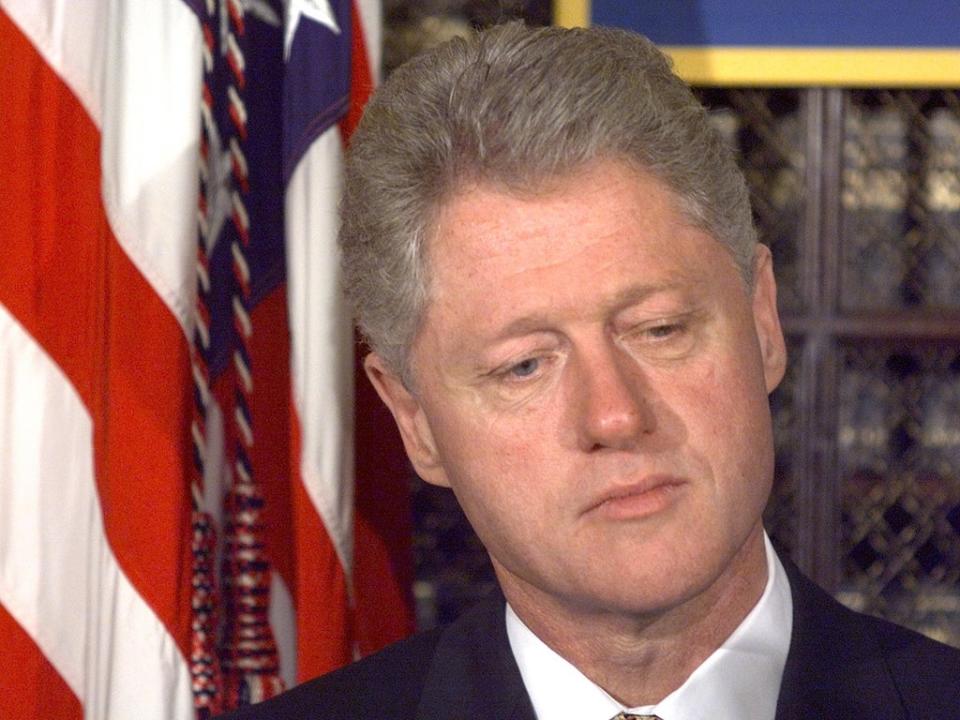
551 255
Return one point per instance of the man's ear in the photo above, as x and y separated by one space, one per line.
410 418
767 320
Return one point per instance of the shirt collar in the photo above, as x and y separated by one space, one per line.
741 679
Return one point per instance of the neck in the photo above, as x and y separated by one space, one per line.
641 657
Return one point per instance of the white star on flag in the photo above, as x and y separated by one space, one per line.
317 10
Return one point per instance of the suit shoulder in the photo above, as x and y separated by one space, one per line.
902 642
844 663
927 672
384 685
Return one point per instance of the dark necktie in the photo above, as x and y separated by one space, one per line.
631 716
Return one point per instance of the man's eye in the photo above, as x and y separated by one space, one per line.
659 332
664 340
525 368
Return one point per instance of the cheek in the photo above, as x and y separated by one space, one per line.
726 413
505 473
500 439
512 435
743 432
486 453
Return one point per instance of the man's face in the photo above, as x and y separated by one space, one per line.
591 380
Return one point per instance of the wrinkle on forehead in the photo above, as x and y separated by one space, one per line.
506 240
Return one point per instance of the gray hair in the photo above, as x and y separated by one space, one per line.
514 107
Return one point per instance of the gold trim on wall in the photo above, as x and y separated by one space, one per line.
571 13
797 67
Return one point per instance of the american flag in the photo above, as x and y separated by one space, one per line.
184 525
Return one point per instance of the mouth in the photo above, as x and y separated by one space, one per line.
642 499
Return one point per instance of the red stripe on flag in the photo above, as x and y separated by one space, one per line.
383 569
49 199
361 79
68 282
320 592
142 448
270 408
30 687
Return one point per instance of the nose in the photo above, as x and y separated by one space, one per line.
613 406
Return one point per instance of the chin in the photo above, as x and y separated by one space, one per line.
670 576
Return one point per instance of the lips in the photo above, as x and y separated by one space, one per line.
637 500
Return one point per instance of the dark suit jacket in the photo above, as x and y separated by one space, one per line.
841 666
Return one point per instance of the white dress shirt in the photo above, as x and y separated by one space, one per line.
740 680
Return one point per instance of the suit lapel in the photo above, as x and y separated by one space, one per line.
835 667
473 673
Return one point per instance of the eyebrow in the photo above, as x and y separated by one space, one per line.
638 293
625 298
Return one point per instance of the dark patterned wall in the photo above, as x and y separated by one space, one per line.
901 200
899 440
898 424
412 26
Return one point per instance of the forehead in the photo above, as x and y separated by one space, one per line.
596 231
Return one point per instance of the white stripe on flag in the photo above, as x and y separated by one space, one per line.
370 19
151 136
68 35
135 66
321 340
58 575
283 622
